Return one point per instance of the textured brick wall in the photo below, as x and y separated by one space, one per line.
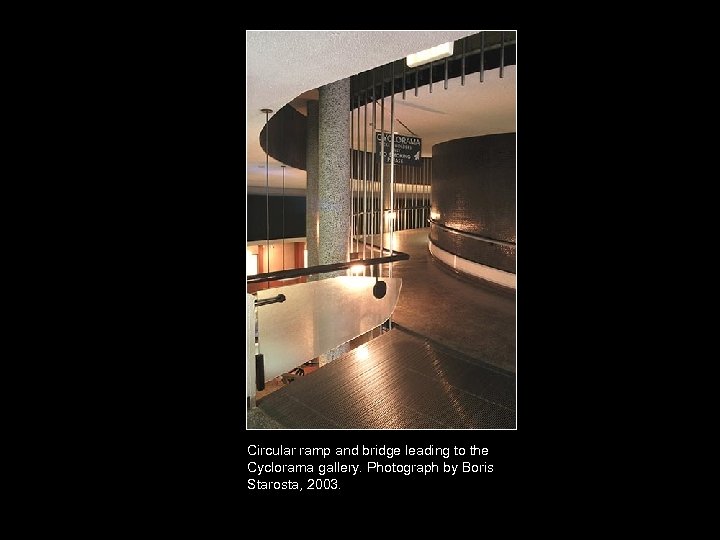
473 191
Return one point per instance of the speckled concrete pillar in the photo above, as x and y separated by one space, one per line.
334 198
313 177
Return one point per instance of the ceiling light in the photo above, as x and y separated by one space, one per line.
429 55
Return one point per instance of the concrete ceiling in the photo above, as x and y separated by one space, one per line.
287 66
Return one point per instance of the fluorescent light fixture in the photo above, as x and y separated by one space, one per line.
305 257
429 55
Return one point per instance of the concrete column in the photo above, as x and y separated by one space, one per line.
313 178
334 194
334 197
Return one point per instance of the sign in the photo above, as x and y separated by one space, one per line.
407 148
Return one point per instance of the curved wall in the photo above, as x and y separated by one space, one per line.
473 199
287 137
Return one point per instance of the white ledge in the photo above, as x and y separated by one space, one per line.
506 279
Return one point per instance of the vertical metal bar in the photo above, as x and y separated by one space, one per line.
482 56
402 195
267 188
359 175
352 175
399 198
357 183
372 172
420 192
283 217
424 179
404 66
426 191
421 175
393 214
382 167
502 54
412 196
365 213
428 183
408 196
462 72
446 72
415 220
431 66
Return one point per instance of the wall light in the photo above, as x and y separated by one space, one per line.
429 55
356 269
362 352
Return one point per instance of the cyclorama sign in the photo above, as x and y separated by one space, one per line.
407 148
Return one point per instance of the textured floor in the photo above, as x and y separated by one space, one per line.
475 318
405 381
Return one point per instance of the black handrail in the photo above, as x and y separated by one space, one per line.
325 268
471 235
273 300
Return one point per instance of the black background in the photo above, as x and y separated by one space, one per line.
174 347
535 448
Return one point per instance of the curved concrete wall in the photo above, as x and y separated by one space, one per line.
473 197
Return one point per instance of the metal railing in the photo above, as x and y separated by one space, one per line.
326 268
471 235
477 53
274 300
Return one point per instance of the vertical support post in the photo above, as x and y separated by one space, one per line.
404 66
267 188
482 56
372 171
462 71
446 73
260 371
365 180
382 168
283 216
357 181
502 54
393 215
